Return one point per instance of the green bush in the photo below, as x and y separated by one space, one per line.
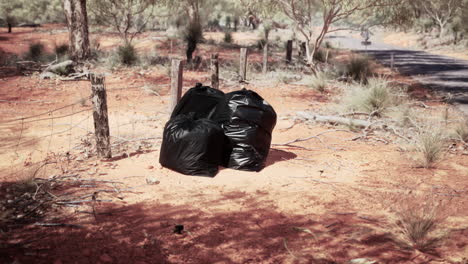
35 52
320 55
328 45
358 69
193 35
227 37
61 50
127 54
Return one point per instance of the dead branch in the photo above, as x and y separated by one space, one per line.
58 225
289 143
336 120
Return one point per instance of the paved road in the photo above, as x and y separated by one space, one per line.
444 75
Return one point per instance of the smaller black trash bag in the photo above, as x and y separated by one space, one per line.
205 102
249 130
192 146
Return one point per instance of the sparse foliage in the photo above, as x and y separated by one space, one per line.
303 13
358 68
420 221
462 131
35 52
431 146
319 82
128 17
227 37
127 54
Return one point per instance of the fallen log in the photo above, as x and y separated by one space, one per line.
62 68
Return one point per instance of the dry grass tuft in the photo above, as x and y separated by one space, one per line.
431 145
319 82
461 131
420 222
375 97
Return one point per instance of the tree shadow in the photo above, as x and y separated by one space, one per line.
256 232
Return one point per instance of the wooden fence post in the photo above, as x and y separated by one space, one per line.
101 118
265 58
243 64
214 71
176 82
289 50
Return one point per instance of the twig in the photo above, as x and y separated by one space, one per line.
57 225
286 246
311 137
81 201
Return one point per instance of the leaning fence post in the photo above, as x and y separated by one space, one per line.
243 64
176 82
265 58
101 118
214 71
289 50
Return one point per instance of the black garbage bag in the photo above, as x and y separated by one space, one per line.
193 146
205 102
252 121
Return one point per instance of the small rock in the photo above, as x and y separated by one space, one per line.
9 201
105 258
150 167
151 180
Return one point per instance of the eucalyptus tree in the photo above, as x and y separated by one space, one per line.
77 21
128 17
305 14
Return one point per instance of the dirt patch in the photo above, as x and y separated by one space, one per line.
323 201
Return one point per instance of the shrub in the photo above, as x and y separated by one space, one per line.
358 69
319 82
420 220
193 34
127 54
375 97
35 52
227 37
462 131
261 43
320 55
328 45
61 50
431 146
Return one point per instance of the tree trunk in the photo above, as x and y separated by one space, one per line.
191 47
289 50
309 54
9 27
77 20
441 29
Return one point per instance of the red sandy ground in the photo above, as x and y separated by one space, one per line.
344 192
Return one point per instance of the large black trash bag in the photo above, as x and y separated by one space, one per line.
192 146
205 102
252 121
